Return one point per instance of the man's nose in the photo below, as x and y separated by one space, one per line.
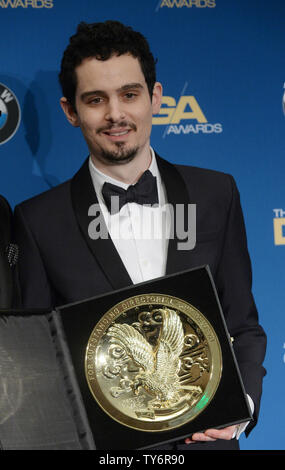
115 111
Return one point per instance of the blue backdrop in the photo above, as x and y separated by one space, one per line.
221 63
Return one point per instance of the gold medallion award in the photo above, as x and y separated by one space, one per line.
153 362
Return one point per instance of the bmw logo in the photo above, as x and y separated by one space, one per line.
10 114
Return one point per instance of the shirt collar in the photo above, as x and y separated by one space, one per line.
99 178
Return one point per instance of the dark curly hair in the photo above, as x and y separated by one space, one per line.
102 40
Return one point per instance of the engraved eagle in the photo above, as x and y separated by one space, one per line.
160 364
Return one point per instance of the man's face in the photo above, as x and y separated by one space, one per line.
113 108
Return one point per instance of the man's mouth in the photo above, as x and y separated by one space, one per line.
118 130
118 133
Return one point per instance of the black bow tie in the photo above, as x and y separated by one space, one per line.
143 192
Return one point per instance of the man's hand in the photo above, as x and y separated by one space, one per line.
212 435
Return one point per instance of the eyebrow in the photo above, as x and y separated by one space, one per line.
128 86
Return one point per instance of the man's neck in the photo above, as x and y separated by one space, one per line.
129 172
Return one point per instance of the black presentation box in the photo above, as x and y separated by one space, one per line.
229 404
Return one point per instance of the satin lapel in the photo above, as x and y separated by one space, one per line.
83 196
177 193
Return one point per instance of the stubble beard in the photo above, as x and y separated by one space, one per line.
120 156
121 153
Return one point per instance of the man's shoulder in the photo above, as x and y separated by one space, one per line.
196 175
206 180
206 173
52 199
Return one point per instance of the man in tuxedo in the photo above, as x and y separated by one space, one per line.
110 91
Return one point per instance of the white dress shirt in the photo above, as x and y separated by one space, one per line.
139 233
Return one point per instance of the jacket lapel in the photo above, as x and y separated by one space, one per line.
83 197
177 193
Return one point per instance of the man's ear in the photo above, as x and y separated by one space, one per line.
156 97
70 112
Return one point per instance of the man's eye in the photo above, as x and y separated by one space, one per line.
96 100
130 95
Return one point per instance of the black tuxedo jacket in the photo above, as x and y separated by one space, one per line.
6 282
59 263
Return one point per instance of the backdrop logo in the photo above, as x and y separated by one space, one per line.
186 3
283 99
184 116
26 3
10 114
279 226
